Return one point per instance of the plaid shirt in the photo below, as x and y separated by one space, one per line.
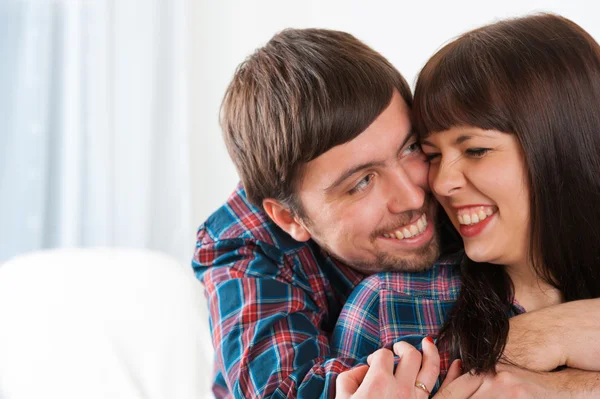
388 307
274 303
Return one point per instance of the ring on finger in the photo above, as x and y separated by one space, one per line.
422 387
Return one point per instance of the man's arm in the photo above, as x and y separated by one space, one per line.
265 326
515 382
358 329
563 335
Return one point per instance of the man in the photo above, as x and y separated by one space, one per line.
292 120
334 187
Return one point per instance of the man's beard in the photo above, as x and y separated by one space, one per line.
419 260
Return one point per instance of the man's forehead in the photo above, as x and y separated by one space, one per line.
376 144
369 149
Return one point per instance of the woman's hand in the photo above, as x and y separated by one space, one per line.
414 378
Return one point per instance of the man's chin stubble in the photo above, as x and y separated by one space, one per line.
421 260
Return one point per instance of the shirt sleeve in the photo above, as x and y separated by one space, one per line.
357 331
361 328
265 328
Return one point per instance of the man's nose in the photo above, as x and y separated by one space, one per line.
406 194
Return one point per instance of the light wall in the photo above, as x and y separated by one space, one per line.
406 32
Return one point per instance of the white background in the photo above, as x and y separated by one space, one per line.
109 131
405 32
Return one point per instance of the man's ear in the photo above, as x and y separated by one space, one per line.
284 218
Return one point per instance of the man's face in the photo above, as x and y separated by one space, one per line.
367 202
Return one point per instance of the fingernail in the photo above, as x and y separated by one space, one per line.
369 358
430 340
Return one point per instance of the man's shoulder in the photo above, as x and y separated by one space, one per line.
440 282
240 238
238 220
239 232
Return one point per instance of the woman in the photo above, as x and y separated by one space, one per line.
508 117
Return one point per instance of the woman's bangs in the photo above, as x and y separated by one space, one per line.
459 91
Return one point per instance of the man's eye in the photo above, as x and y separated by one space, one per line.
361 185
414 147
477 152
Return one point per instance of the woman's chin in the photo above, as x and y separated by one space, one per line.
479 255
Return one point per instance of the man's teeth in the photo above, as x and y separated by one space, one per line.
411 230
476 215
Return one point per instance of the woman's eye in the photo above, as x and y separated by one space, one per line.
477 152
361 185
432 156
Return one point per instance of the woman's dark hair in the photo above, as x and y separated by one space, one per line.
536 77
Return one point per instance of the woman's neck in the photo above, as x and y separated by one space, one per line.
531 291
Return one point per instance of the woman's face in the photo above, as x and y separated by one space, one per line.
479 177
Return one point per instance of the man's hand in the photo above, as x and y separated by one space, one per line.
378 380
508 382
515 382
566 334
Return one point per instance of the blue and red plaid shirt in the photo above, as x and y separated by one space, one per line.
388 307
274 303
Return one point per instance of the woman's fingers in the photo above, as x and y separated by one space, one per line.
409 364
454 372
414 377
462 387
381 364
348 382
430 367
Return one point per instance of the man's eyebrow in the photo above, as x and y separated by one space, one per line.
350 171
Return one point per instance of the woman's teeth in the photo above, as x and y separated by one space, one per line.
475 215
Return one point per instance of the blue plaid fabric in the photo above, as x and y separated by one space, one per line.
388 307
274 304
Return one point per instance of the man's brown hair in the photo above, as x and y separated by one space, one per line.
303 93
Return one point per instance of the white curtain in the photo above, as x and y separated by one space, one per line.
94 138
